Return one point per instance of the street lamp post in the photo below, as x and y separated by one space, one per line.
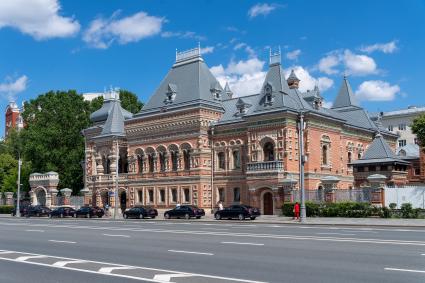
116 184
18 197
301 165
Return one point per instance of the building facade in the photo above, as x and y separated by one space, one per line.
13 118
195 143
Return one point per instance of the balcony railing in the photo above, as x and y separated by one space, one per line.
265 166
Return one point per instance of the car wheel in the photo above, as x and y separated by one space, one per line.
167 216
252 217
100 216
198 217
125 216
61 215
241 217
187 216
217 216
153 217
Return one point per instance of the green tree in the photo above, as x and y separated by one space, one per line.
418 128
52 138
8 169
129 101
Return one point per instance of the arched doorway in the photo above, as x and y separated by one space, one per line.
104 196
41 197
123 201
268 203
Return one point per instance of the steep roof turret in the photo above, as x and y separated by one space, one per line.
345 97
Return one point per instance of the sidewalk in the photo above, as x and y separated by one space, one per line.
275 219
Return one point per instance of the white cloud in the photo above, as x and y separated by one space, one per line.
102 32
359 64
246 47
182 34
245 77
38 18
293 55
327 104
261 9
377 91
207 49
307 81
328 63
10 87
388 47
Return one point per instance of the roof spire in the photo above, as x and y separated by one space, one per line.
293 81
228 91
345 97
275 57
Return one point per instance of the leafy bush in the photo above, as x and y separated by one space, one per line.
406 210
392 205
6 209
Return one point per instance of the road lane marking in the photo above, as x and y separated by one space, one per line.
238 234
343 234
34 230
65 242
239 243
188 252
404 270
147 278
24 258
110 269
218 229
167 277
113 235
63 263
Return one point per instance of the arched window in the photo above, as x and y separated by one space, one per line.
325 155
174 160
140 163
221 160
151 160
236 195
236 159
349 158
162 161
268 150
186 159
359 156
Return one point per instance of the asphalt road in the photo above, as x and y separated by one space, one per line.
69 250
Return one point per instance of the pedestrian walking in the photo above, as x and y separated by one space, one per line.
296 211
220 205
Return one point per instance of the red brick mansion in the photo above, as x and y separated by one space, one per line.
194 143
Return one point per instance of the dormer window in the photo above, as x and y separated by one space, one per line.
170 94
242 107
268 98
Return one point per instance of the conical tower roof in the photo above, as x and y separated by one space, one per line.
345 97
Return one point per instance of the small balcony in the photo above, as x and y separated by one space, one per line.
265 166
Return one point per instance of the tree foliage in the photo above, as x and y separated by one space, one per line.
129 101
418 128
52 139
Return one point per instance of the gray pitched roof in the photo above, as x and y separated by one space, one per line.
410 150
379 152
194 85
102 114
293 76
114 125
345 97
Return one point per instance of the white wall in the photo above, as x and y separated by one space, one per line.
410 194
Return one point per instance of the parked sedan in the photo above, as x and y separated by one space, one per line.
62 212
238 211
22 209
37 210
184 211
90 211
140 212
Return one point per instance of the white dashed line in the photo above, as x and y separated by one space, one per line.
112 235
238 243
404 270
34 230
343 234
188 252
65 242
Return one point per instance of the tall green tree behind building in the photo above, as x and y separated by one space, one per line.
129 102
418 128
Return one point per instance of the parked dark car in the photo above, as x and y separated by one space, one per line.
184 211
37 210
140 212
61 212
238 211
90 211
22 209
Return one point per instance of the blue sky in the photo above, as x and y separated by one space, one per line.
89 45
